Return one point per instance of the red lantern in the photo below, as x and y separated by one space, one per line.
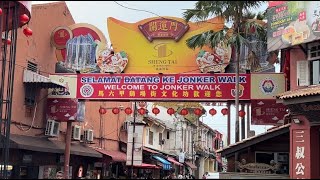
115 110
24 18
184 112
142 111
212 112
128 110
27 31
102 110
224 111
197 111
170 111
0 11
155 110
8 41
242 113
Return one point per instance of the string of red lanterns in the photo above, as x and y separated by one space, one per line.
24 18
184 112
102 110
212 112
27 31
224 111
128 110
197 111
115 110
242 113
155 110
170 111
142 111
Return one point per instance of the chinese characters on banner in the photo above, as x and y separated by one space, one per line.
299 154
267 112
62 102
163 28
188 87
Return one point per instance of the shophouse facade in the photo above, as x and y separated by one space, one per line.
301 67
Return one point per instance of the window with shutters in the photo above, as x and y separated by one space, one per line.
308 72
160 138
150 137
303 73
314 51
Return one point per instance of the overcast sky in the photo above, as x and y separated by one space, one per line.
97 12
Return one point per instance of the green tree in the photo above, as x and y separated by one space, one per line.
239 15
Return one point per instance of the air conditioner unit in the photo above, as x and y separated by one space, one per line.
76 132
52 128
88 135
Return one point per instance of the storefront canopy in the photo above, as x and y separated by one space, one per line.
40 144
192 166
117 156
146 166
249 142
33 78
174 161
166 164
150 150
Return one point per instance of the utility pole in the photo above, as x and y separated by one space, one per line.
133 138
248 120
67 150
228 123
243 124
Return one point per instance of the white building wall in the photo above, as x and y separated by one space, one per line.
156 130
201 167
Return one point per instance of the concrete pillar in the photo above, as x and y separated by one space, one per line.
211 165
304 149
206 165
201 167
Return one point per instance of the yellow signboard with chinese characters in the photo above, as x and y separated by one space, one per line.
158 45
267 86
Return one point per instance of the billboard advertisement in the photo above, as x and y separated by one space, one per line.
267 112
65 109
158 45
292 23
267 85
70 82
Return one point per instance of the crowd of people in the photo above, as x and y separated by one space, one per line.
180 176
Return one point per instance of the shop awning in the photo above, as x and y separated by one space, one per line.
166 164
174 161
41 144
117 156
252 141
30 77
150 150
146 166
192 166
